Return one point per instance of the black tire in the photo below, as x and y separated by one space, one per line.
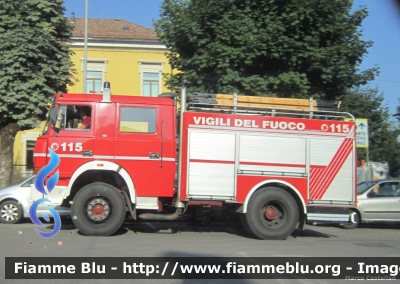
272 214
98 210
353 225
10 212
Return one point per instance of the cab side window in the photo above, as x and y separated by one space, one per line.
137 120
75 117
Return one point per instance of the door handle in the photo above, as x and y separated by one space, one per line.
154 156
87 153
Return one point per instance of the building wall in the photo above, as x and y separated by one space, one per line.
122 68
21 170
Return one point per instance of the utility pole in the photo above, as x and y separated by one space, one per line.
85 48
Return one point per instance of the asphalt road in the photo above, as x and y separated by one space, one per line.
183 239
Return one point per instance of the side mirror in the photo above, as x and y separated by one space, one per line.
53 115
372 194
57 125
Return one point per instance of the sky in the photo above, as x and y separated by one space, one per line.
382 26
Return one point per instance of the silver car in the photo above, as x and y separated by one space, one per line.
377 201
15 203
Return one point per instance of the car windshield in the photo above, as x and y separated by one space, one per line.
28 182
362 187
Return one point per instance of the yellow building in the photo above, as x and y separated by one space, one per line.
127 55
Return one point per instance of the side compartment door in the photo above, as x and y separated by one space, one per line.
332 171
211 165
269 155
138 146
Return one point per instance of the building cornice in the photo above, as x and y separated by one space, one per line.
119 44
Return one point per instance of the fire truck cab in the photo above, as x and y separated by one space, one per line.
137 159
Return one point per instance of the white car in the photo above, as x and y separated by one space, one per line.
377 201
15 203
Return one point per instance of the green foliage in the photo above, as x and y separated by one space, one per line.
383 143
34 58
291 48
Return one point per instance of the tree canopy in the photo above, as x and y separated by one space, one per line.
34 65
292 48
34 58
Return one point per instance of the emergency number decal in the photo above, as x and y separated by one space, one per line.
271 123
77 147
335 128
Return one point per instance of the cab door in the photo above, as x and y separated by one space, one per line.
138 146
72 144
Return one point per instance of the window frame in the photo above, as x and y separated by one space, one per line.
151 82
92 89
29 136
95 65
150 66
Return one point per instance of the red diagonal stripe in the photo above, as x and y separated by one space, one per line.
314 176
321 171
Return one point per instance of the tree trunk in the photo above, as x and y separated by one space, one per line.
7 137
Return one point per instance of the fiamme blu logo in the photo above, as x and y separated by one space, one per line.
46 189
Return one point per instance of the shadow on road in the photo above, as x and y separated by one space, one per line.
177 227
298 233
221 225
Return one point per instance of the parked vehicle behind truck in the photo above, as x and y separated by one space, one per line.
279 167
15 203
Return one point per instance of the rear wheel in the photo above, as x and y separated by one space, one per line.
10 212
272 213
98 210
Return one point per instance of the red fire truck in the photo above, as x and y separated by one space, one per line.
276 168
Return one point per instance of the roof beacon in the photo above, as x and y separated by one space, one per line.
106 93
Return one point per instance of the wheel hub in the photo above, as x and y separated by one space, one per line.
270 213
9 212
271 216
98 209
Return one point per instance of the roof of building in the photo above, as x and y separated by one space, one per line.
112 29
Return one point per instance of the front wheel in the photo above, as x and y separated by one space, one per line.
356 220
11 212
98 210
272 213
